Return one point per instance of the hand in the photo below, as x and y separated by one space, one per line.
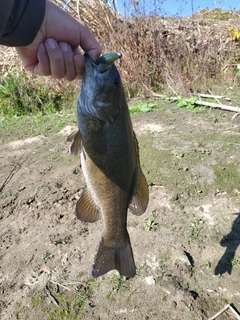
55 49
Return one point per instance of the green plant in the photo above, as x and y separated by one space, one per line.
119 283
196 228
71 304
19 96
47 256
142 107
235 262
151 223
23 230
189 103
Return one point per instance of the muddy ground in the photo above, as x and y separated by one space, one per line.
186 245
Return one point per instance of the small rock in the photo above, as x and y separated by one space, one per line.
150 280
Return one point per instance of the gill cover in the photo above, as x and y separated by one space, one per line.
102 91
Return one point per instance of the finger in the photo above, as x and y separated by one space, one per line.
42 68
56 59
70 73
79 63
89 43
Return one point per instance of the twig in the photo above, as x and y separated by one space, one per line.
220 312
153 93
51 297
14 170
60 285
234 312
203 95
216 105
228 306
198 102
236 114
217 99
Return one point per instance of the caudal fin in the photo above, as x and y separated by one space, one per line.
119 257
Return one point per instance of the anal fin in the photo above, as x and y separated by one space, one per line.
86 209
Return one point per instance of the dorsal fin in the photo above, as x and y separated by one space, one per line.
76 139
86 209
140 198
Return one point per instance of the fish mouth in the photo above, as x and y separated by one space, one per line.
106 61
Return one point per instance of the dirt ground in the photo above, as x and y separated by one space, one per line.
186 245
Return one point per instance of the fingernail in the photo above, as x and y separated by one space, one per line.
63 46
51 43
43 47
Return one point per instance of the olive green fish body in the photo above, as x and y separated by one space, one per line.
110 164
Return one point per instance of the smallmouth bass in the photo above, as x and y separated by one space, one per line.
110 163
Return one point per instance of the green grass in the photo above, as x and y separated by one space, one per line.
19 96
227 176
20 127
143 107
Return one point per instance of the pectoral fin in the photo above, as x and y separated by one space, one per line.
86 209
139 202
76 139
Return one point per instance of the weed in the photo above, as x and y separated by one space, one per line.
196 228
151 224
119 283
235 262
18 97
47 256
71 304
142 107
207 264
76 170
36 301
199 289
189 104
3 305
23 230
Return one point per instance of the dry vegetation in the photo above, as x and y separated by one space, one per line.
176 54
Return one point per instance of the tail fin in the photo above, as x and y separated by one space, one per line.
109 257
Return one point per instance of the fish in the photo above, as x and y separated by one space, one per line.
110 164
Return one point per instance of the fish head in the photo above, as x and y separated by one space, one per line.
101 92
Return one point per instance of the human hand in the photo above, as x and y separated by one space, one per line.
55 49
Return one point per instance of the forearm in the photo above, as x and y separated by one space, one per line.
20 21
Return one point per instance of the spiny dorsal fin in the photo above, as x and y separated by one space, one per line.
76 139
86 209
139 202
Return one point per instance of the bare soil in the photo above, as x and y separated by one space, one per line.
186 245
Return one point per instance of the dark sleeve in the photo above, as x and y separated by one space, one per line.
20 21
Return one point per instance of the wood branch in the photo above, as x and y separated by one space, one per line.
220 312
203 95
234 312
228 306
198 102
217 105
51 297
60 285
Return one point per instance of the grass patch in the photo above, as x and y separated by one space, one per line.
14 128
19 96
227 177
143 107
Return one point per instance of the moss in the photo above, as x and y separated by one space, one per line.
227 176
